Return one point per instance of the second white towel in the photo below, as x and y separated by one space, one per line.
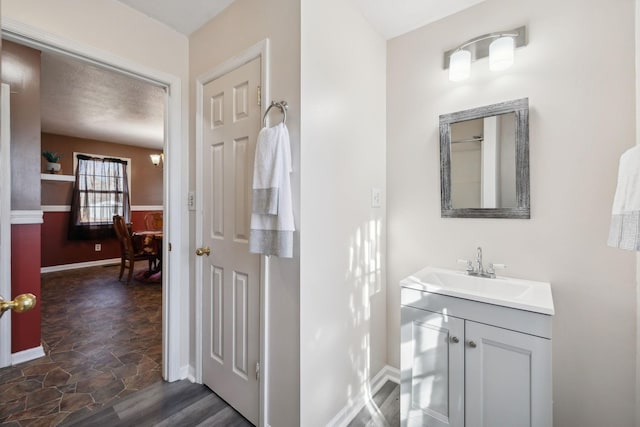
625 214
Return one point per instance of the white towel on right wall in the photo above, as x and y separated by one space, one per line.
272 224
625 214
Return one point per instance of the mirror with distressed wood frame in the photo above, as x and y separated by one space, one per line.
484 161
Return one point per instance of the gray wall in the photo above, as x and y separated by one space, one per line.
21 70
578 72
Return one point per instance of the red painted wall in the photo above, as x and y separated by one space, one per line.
137 220
56 249
25 277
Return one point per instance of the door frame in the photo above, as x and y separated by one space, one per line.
175 304
5 224
259 50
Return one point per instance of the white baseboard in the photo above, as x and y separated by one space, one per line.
184 372
351 409
27 355
63 267
191 374
388 373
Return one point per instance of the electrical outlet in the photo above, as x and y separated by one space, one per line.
98 247
191 201
376 197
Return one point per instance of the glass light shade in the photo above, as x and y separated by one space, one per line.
155 158
459 65
501 53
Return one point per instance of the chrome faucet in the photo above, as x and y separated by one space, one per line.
478 270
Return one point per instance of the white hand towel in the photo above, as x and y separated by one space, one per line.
625 214
272 224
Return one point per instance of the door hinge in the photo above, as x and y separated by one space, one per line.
259 96
257 371
169 247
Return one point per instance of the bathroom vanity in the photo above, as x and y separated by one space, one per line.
475 351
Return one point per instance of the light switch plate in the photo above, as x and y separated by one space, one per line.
376 197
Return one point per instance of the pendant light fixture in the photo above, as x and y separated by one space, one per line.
499 47
460 65
501 53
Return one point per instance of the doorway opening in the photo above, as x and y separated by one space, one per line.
174 268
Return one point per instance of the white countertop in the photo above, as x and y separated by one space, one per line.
504 291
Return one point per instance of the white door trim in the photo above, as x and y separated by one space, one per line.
5 224
259 50
175 302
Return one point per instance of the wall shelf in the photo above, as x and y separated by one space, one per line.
54 177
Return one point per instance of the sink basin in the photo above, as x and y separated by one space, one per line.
516 293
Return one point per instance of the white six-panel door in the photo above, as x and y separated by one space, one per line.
231 275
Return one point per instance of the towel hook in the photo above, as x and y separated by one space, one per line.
282 105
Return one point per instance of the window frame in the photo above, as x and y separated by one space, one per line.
102 156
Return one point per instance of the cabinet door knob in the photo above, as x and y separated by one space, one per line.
455 340
472 344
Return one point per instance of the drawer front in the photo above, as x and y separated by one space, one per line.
509 318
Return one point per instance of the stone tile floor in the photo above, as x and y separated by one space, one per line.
102 341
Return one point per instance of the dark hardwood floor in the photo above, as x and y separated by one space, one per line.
165 404
103 345
102 341
189 405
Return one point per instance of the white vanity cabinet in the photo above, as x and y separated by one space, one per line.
466 363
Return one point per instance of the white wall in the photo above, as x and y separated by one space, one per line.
114 30
237 28
578 72
637 63
343 292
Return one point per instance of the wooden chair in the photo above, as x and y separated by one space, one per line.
153 221
128 253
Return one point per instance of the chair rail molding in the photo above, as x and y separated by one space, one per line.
27 217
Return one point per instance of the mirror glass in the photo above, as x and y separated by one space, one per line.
484 161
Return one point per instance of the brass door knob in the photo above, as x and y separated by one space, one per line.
203 251
20 304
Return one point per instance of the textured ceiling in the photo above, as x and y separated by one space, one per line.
83 100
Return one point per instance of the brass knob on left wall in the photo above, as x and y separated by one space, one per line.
20 304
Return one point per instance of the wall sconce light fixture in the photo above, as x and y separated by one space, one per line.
499 47
157 158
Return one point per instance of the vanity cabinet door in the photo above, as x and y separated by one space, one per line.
508 378
432 369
